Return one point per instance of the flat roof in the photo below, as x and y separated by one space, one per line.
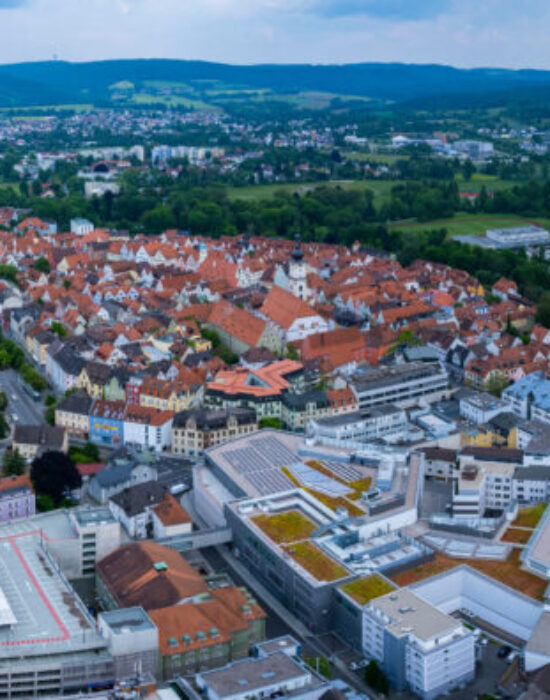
126 620
91 516
50 618
409 614
250 675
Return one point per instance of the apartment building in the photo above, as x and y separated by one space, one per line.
419 647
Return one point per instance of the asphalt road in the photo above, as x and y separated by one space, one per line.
27 410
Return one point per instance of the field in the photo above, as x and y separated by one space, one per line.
530 517
469 225
365 589
508 572
313 560
381 189
285 527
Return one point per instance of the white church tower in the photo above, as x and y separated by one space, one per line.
297 279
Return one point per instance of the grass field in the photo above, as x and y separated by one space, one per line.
381 189
468 224
508 572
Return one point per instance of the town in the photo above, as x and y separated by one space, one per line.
251 466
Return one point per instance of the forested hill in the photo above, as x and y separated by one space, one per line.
58 82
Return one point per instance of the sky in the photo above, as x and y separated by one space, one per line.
465 33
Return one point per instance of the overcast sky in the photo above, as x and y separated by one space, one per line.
508 33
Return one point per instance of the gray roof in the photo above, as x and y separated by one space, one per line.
535 473
115 475
41 435
79 403
135 499
213 419
69 361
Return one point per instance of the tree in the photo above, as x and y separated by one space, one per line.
376 678
54 474
271 422
42 265
3 400
13 463
543 310
59 329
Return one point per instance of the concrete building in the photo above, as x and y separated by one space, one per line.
132 639
418 646
49 641
536 555
275 670
479 407
402 385
377 423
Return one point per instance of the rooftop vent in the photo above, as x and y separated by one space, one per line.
160 566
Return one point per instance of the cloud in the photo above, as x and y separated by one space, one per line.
10 4
404 10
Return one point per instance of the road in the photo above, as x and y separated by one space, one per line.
279 620
28 411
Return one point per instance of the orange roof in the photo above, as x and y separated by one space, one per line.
206 623
16 482
284 308
266 381
170 512
237 322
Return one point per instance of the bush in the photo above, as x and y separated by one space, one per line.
376 678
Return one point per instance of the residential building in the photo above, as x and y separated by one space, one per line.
107 422
170 519
81 227
33 440
16 498
198 429
73 414
133 507
147 428
419 647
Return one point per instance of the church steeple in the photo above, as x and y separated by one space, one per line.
297 271
297 253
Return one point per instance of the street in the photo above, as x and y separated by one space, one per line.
27 410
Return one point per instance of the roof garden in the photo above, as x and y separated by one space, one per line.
285 527
315 561
363 590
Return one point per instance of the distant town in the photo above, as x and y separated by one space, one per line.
274 405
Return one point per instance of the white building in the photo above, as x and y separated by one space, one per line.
81 227
418 646
373 424
480 407
403 385
148 428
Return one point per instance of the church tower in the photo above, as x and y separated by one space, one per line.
297 272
